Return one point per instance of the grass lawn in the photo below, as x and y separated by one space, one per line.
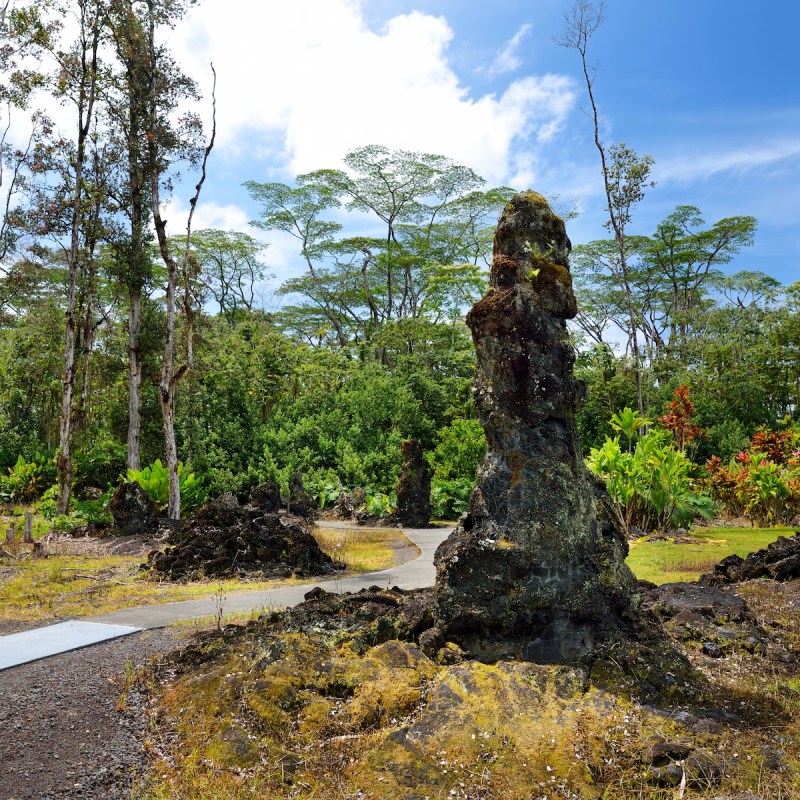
666 562
59 586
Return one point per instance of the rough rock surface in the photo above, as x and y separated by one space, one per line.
300 501
224 538
413 487
779 560
133 510
266 497
348 504
536 567
712 617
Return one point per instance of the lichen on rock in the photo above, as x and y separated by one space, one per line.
536 567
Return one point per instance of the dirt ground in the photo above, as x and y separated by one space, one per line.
64 732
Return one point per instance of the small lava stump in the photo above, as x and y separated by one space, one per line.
300 501
225 539
266 497
536 567
348 505
413 487
133 511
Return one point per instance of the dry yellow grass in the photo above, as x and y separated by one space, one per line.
34 590
69 584
364 550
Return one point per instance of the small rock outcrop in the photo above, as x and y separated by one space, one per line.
266 497
779 560
349 503
300 501
133 510
536 567
223 538
413 487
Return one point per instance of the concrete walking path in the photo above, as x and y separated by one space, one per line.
39 643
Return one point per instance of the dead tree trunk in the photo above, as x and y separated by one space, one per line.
170 376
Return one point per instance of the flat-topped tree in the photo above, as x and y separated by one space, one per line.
536 567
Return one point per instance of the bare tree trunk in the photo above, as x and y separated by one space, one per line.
86 350
86 96
64 466
169 375
583 20
131 41
134 378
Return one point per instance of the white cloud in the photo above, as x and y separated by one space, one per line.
688 167
307 80
226 218
507 59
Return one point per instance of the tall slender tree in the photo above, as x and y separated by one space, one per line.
626 175
166 87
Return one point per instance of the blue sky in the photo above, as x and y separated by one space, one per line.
710 89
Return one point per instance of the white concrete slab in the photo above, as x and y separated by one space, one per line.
20 648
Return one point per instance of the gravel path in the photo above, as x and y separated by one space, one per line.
62 733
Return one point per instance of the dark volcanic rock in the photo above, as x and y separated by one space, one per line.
266 497
347 505
413 487
715 618
779 560
226 539
300 501
671 599
370 616
133 510
536 567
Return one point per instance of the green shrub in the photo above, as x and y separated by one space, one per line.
449 499
652 486
461 447
81 512
99 464
26 480
763 483
380 504
155 482
324 485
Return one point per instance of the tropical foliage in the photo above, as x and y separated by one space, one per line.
651 483
762 482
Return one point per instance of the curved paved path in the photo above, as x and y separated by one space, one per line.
416 574
21 648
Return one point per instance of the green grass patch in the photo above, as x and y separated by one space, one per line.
669 562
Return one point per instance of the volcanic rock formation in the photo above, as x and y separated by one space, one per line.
413 487
133 510
536 567
226 539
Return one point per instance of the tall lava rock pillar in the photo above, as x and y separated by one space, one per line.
536 567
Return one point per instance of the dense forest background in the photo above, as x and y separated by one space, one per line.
329 372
